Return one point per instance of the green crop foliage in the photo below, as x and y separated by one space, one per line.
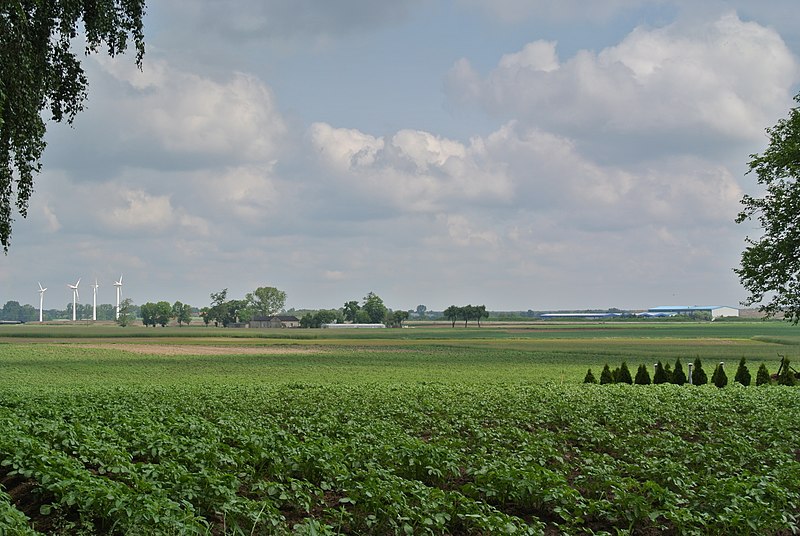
490 433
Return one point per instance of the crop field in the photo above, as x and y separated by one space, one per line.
410 431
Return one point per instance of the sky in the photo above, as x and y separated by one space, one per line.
521 154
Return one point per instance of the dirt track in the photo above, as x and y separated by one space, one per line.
174 349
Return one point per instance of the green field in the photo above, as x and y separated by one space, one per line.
408 431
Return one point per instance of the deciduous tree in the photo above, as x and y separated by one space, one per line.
266 301
374 308
163 313
182 313
452 313
39 69
125 314
770 264
350 310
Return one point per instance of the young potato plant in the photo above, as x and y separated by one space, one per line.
421 458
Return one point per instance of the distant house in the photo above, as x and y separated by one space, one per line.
278 321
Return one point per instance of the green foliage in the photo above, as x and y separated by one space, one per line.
39 68
785 373
762 375
149 312
624 375
350 310
396 318
660 375
266 301
405 458
317 318
373 308
642 376
699 376
452 313
678 375
606 376
182 313
742 373
770 265
125 314
719 378
589 378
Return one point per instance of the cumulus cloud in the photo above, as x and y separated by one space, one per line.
410 170
726 78
185 118
136 210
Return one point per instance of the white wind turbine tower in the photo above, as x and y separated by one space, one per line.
74 297
41 300
94 300
118 284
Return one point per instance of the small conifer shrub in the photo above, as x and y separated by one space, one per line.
719 378
762 376
786 376
699 376
589 378
642 376
678 375
606 376
742 374
660 375
624 375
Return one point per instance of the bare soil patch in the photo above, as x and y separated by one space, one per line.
191 349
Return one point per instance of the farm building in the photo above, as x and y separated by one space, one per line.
280 321
716 311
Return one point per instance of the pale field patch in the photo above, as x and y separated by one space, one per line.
174 349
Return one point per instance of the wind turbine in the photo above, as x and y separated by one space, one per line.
94 300
74 297
118 284
41 300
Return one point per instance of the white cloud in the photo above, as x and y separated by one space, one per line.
727 78
188 114
139 210
410 170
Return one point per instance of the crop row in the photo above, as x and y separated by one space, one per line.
403 459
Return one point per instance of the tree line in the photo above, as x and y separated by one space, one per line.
263 302
466 313
371 310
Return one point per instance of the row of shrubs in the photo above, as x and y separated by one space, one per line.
666 374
